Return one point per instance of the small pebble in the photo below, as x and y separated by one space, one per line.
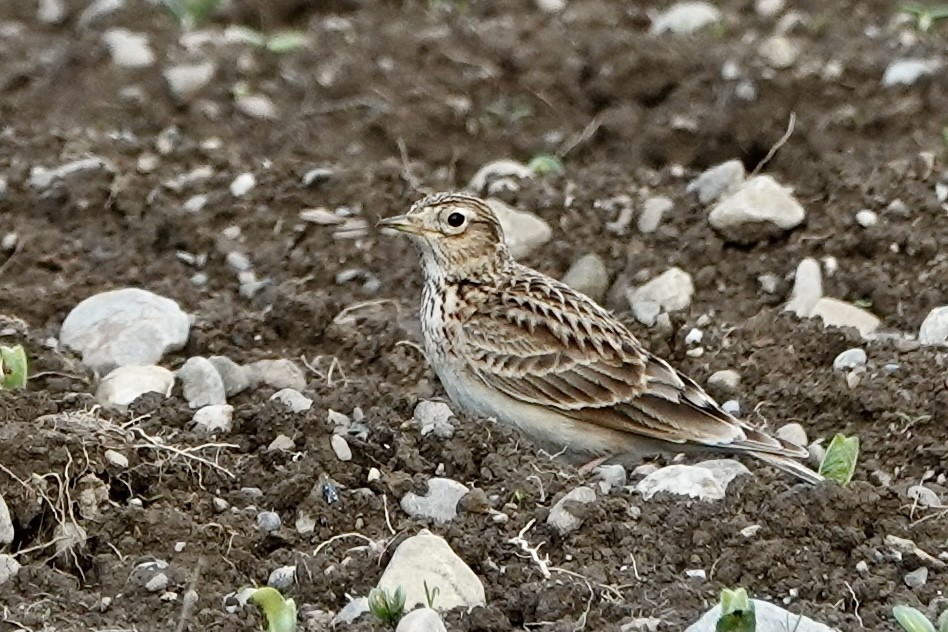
732 407
867 218
341 447
793 433
220 505
850 359
653 211
917 578
317 176
294 401
282 578
561 517
726 380
862 567
242 184
269 521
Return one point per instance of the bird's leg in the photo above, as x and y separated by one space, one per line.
589 467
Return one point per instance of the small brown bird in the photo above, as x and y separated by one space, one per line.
511 343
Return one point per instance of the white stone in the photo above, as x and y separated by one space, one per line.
717 181
653 211
694 336
867 218
917 578
214 419
235 377
282 577
128 49
498 169
793 433
934 329
201 383
281 443
281 373
9 567
439 504
422 619
779 51
341 447
769 8
705 481
51 11
242 184
905 72
98 9
6 523
685 17
611 476
732 407
807 288
42 178
257 106
850 359
428 559
588 275
646 312
551 6
769 618
837 313
760 201
726 380
124 327
116 458
924 496
560 517
671 290
125 384
295 401
523 231
351 611
186 80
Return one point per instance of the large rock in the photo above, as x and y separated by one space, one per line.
761 208
428 559
123 328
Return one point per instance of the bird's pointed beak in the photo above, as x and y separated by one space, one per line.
402 224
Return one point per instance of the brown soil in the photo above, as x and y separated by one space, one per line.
459 87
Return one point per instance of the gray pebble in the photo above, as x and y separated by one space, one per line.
125 384
186 80
295 401
561 517
281 373
850 359
439 504
421 620
934 329
653 211
732 407
867 218
341 447
220 505
588 275
201 383
214 418
917 578
433 417
611 476
269 521
282 577
235 377
717 181
793 433
727 380
9 568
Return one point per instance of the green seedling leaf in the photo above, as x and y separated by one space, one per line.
13 366
280 612
244 35
840 460
737 612
543 164
287 42
912 620
387 608
943 622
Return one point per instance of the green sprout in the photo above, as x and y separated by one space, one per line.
280 612
388 608
280 42
912 620
431 595
839 463
925 16
737 612
864 303
191 13
12 367
542 164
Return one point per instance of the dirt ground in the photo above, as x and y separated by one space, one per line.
456 85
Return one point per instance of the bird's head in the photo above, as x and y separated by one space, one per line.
459 236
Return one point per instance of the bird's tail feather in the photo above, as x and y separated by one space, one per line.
790 466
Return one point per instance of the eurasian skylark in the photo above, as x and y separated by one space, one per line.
510 343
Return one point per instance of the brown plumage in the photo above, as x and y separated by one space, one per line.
510 343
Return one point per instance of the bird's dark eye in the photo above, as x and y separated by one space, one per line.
455 220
